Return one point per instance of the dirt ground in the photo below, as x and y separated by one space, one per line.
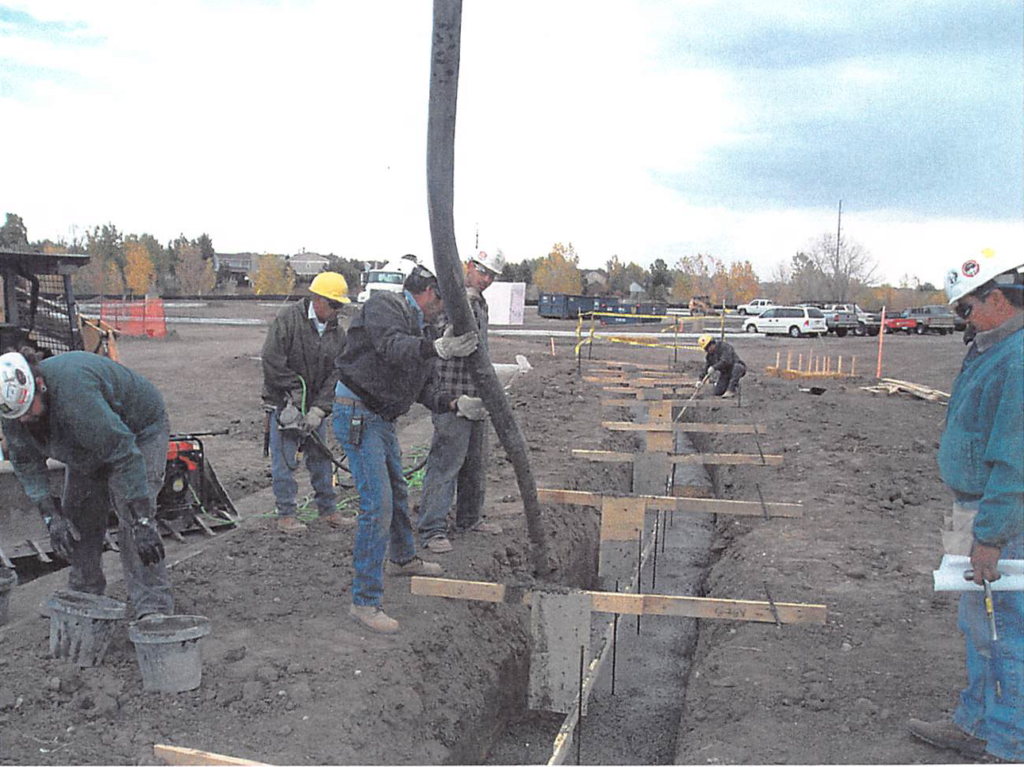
289 679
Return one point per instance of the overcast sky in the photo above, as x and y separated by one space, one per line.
644 130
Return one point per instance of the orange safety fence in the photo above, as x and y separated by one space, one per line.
136 318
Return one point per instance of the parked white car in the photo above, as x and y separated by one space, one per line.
755 307
795 321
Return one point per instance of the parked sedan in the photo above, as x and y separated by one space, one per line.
794 321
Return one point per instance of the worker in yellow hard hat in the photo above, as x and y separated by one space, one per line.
298 392
720 356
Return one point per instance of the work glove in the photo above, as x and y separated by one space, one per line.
147 538
450 345
289 417
470 408
63 533
312 420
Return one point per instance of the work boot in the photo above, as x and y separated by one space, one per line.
373 618
415 566
945 734
334 519
729 394
439 544
291 524
483 526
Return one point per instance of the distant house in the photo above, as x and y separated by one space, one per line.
636 291
307 265
595 282
234 267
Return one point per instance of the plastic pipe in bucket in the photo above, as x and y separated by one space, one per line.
169 652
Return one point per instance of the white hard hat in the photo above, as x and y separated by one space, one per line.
17 385
493 261
975 271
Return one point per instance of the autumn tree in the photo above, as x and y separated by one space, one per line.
694 277
559 272
14 234
139 269
743 285
105 245
659 283
195 274
846 266
272 276
621 276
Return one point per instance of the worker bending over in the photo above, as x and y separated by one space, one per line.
109 428
298 390
720 356
981 459
458 450
389 362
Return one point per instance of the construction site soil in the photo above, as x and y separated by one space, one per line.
288 678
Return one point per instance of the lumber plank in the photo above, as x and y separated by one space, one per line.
622 519
634 365
619 402
675 503
624 603
707 459
690 428
179 755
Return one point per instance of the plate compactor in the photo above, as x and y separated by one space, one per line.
39 310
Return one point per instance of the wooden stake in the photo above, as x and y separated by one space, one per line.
177 755
853 367
778 359
840 370
552 346
789 359
800 362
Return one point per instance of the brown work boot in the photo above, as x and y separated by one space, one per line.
945 734
439 544
334 519
373 618
291 524
415 566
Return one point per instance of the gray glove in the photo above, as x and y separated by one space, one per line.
289 417
450 345
470 408
312 420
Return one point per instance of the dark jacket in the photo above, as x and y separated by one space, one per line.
722 357
97 411
293 348
389 360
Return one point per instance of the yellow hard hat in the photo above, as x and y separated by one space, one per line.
331 286
704 340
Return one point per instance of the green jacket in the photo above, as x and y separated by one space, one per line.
294 348
97 411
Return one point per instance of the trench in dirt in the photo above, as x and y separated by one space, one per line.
634 710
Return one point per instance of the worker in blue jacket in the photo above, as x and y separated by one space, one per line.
109 427
981 458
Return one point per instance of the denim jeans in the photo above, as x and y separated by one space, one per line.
456 463
980 712
376 465
87 501
283 462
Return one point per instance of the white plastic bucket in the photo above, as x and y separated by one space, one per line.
82 625
168 648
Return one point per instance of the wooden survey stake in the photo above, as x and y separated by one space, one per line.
669 503
180 756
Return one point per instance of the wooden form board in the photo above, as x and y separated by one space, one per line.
708 459
641 382
619 402
690 428
178 755
632 365
673 503
633 604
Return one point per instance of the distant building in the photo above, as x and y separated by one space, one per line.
234 267
636 291
307 266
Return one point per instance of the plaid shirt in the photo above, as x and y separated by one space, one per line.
455 377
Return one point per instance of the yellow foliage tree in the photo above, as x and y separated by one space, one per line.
272 277
559 272
195 273
139 270
743 285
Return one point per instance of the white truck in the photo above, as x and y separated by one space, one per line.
389 277
755 307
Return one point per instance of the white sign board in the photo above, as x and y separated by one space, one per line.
505 303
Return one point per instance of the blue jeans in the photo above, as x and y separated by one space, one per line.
376 465
980 712
456 461
283 461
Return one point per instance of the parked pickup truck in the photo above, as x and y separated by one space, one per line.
755 307
897 322
931 319
841 318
